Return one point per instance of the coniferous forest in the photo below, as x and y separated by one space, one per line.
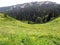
35 12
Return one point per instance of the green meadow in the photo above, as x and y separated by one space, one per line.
15 32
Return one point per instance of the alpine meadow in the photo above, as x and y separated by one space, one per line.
34 23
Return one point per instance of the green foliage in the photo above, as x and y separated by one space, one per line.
30 22
5 14
14 32
39 20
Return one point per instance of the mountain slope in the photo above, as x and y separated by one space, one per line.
36 12
2 9
14 32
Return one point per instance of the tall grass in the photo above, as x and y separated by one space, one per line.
14 32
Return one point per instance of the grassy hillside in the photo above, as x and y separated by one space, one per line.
14 32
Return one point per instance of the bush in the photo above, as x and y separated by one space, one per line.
39 20
5 14
30 22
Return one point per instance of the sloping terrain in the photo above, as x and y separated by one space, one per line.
14 32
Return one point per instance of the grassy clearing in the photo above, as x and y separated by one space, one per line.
14 32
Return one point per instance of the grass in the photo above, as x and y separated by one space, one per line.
14 32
